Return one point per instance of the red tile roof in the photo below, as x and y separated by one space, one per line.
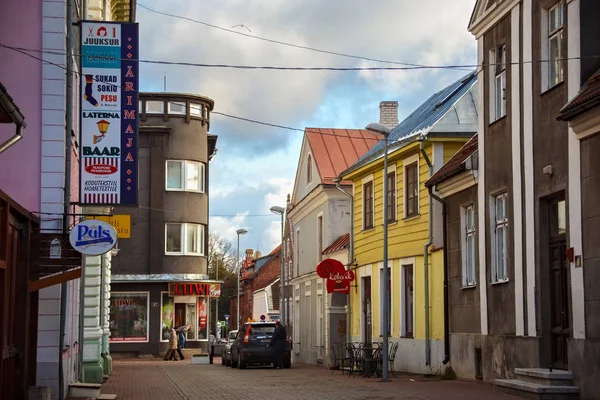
339 244
335 150
589 95
455 164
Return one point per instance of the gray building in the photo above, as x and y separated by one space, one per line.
159 279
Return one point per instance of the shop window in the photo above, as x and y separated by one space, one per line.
129 317
167 316
202 318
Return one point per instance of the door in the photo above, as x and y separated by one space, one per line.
319 327
366 310
179 315
559 285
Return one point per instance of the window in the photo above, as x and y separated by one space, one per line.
298 252
408 300
500 268
468 246
555 40
203 318
309 170
186 176
412 190
391 186
184 239
368 205
177 107
155 107
129 317
320 237
500 82
196 110
390 313
167 316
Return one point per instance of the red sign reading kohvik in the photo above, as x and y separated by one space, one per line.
338 278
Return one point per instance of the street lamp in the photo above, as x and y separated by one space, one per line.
282 311
385 131
239 232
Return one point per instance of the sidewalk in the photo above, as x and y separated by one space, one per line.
158 380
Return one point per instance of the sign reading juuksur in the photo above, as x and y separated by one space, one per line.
109 103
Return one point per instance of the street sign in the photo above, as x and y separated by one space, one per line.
93 237
222 323
121 223
226 317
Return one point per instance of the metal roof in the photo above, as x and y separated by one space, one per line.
421 120
339 244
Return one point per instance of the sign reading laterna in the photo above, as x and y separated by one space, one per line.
109 104
195 289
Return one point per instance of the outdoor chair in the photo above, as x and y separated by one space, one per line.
355 360
339 357
392 358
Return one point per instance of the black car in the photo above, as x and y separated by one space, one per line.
250 346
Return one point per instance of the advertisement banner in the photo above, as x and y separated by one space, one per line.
108 104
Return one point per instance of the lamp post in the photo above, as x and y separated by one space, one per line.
282 310
385 131
239 232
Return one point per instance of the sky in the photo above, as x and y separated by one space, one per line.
255 165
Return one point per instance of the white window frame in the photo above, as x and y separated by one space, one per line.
469 277
200 235
196 110
155 102
392 169
320 236
184 165
499 222
381 289
405 163
364 181
148 326
550 35
497 74
403 264
171 111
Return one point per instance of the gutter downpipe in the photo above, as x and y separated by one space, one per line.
445 254
350 259
67 195
426 259
18 120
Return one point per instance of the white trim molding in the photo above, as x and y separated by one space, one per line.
457 183
481 197
517 198
490 17
528 167
574 188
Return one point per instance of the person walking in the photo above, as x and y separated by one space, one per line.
181 332
170 354
278 344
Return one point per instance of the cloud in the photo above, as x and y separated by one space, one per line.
256 164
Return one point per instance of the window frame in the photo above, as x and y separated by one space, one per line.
199 107
368 181
393 194
178 104
200 239
184 173
320 239
404 332
556 66
500 82
115 294
468 232
502 224
150 102
309 170
410 162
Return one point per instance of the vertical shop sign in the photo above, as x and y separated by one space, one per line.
109 125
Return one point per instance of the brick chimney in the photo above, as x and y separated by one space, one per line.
388 113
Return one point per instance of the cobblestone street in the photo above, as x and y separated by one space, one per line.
158 380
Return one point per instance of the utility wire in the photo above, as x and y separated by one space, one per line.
297 46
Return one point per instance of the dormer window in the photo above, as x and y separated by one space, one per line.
309 170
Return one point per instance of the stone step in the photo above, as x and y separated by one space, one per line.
86 390
537 391
544 376
107 396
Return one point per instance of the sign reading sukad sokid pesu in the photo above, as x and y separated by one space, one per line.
109 102
93 237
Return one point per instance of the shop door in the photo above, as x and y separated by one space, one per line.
366 310
180 319
559 288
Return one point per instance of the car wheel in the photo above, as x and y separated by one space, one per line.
233 363
241 362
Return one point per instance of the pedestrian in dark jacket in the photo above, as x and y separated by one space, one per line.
278 344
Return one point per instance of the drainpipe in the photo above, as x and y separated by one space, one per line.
426 261
12 112
350 258
445 252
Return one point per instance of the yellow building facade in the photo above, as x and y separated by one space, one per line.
412 159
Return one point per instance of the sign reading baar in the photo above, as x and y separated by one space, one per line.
195 289
121 223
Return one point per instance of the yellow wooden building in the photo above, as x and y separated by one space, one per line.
418 147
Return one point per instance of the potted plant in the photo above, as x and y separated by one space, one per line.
200 359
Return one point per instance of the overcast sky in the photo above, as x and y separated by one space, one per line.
256 165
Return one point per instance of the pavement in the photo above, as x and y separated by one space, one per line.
180 380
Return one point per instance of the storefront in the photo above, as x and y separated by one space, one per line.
140 320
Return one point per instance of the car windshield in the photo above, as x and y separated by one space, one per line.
232 335
263 329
